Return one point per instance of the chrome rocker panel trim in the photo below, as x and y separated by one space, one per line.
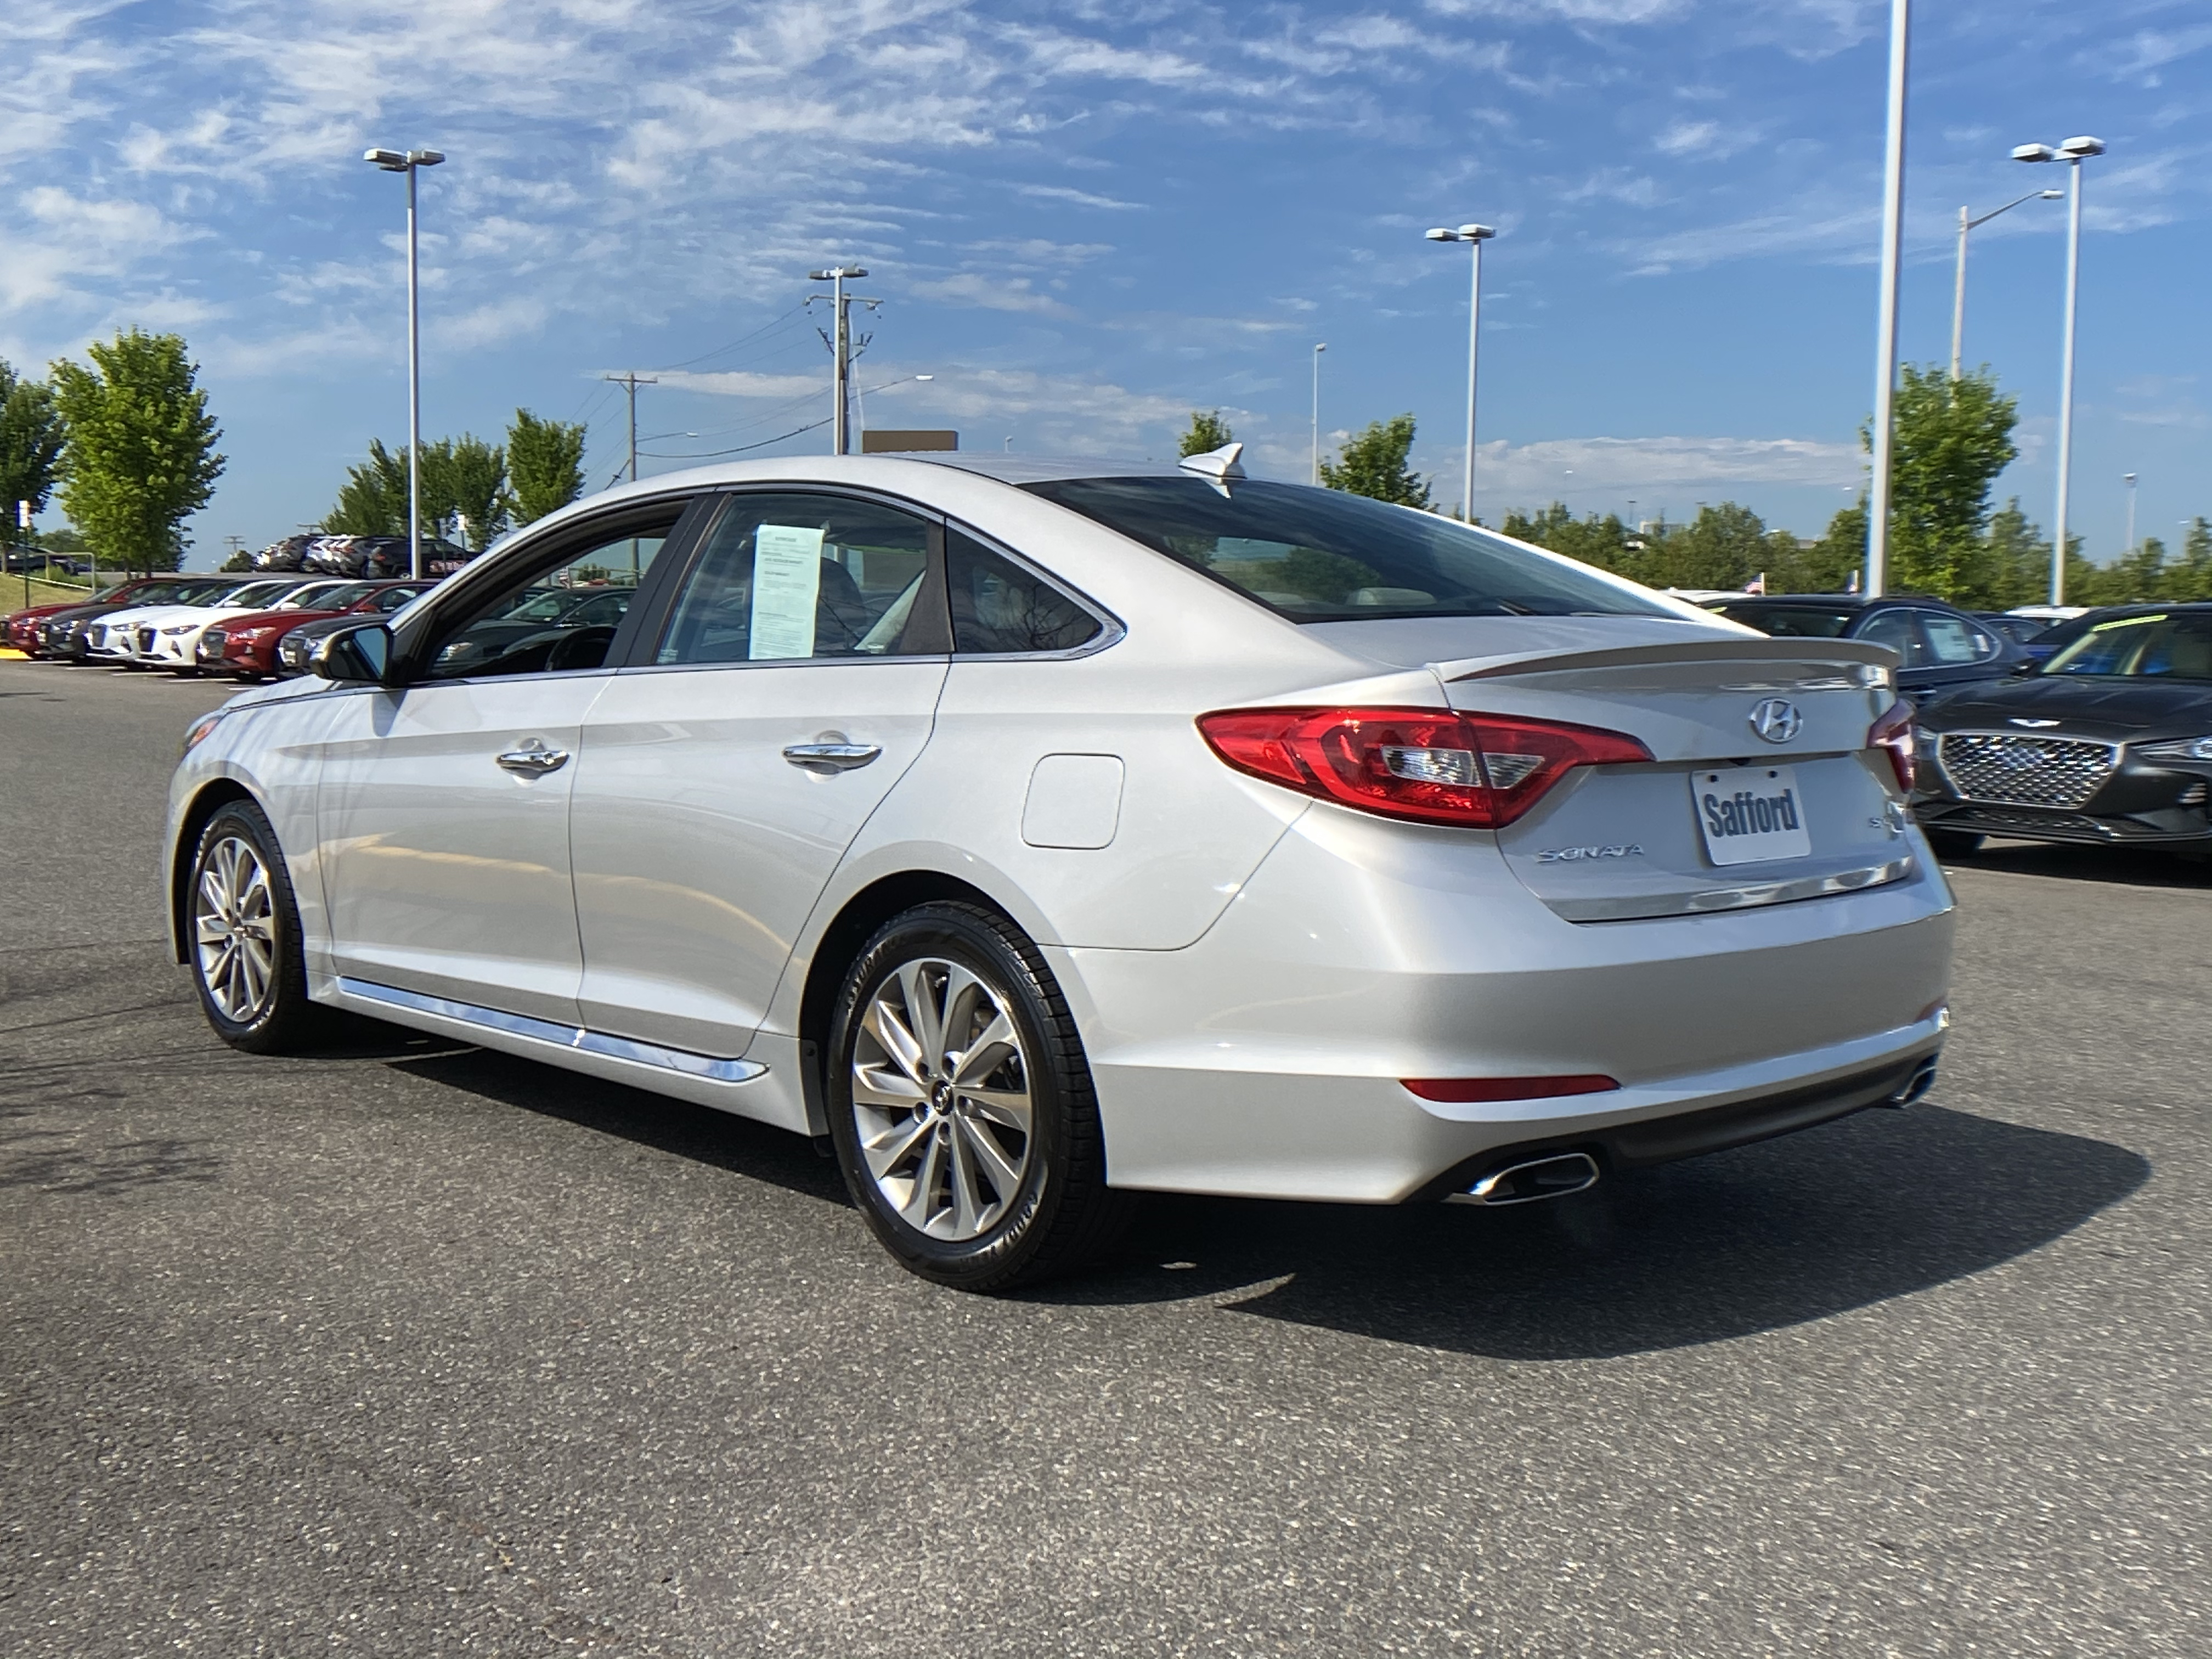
679 1060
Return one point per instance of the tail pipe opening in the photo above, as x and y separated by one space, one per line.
1537 1178
1922 1080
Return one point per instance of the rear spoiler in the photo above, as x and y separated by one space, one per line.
1794 655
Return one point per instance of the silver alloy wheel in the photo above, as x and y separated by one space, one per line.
941 1101
235 925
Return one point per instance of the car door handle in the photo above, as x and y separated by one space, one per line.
831 756
534 762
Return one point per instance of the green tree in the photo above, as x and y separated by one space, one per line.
2189 577
1952 439
465 476
372 500
1604 541
2020 558
1373 463
1724 546
140 457
1207 431
544 465
31 438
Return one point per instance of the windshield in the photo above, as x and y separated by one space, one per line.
1326 556
1792 622
336 596
257 592
2164 645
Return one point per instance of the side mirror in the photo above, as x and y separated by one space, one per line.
353 653
2026 666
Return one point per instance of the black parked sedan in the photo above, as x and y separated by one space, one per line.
2109 741
1937 645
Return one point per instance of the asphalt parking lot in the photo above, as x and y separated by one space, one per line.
412 1350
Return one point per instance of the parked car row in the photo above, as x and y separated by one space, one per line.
219 624
2096 729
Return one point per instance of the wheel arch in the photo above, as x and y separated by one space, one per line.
216 794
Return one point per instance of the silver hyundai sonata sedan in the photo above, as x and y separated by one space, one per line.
1043 832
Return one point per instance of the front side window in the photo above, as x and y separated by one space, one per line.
999 609
2160 645
1318 555
792 575
552 621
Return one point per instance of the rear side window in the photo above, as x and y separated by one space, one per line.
797 575
1894 628
1954 642
1319 555
999 609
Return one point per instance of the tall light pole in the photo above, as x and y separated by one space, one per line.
2073 151
841 348
1958 281
2130 478
411 162
1317 351
1892 235
1474 236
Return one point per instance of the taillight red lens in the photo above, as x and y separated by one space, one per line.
1895 733
1473 1090
1428 765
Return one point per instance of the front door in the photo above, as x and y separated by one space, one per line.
443 808
796 681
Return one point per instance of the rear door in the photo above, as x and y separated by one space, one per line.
724 777
1762 787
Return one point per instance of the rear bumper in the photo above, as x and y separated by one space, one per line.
2168 826
1264 1059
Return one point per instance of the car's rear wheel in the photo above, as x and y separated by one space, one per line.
962 1106
1953 843
247 961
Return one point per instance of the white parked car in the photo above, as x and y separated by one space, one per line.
175 644
1039 832
153 636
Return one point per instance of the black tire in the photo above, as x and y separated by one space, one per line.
1953 843
1061 1214
281 1019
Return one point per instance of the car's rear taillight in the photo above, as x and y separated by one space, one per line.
1893 732
1428 765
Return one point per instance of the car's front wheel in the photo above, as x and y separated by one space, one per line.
247 961
962 1106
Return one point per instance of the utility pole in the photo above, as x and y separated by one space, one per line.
1892 236
843 351
1317 351
629 382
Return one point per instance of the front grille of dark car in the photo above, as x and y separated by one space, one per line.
2023 771
1996 821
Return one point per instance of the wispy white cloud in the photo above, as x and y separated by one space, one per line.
1564 466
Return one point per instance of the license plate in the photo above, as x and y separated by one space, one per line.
1750 813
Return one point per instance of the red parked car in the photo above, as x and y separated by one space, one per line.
19 630
245 647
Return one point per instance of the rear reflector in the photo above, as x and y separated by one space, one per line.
1428 765
1463 1089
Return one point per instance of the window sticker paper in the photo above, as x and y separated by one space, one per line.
786 583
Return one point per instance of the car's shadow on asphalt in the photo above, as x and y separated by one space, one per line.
1856 1212
2132 866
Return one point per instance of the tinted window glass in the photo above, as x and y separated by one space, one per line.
795 575
551 620
2160 645
391 599
1324 555
1894 628
1952 642
999 608
1792 622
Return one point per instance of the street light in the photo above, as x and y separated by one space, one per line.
2073 152
1884 444
1474 236
409 163
2131 479
1317 412
1958 283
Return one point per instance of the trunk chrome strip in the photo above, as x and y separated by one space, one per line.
563 1037
1646 906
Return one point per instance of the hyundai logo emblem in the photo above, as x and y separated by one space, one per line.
1777 720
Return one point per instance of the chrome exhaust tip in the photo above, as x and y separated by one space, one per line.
1524 1183
1922 1080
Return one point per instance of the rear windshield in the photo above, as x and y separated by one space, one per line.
1324 555
2175 645
1792 622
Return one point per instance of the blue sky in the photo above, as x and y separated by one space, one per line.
1087 219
